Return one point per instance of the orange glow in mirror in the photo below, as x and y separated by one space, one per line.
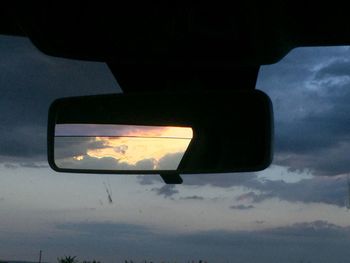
120 147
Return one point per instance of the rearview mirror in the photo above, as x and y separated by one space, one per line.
161 133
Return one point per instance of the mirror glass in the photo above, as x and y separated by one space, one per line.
120 147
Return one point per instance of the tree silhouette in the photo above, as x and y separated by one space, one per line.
67 259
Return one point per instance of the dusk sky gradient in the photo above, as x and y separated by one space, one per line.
295 210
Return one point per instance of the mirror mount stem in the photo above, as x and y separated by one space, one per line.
171 178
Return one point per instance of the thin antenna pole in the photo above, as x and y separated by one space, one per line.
40 256
348 201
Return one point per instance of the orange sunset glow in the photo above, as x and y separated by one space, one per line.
170 132
133 144
138 145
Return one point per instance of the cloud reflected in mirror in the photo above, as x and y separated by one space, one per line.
120 147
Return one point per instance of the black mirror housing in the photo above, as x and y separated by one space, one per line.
232 131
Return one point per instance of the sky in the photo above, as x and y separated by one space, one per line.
293 211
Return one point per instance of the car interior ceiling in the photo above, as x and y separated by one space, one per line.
171 47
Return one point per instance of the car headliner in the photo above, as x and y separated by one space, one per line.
172 46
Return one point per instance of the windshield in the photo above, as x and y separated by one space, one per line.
295 211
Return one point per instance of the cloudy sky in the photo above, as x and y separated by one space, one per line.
120 147
293 211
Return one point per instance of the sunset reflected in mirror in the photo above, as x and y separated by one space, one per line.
120 147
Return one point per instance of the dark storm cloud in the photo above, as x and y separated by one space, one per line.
338 68
30 81
295 243
66 147
107 228
324 127
33 165
219 180
259 222
313 229
10 166
310 90
166 191
25 141
254 197
242 207
320 189
149 179
317 241
192 197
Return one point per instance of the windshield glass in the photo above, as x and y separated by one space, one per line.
295 211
